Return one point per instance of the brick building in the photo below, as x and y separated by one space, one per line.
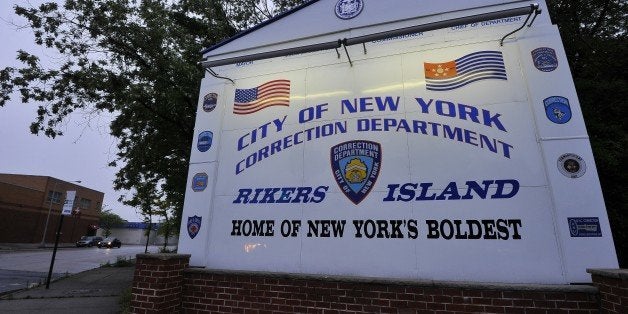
25 201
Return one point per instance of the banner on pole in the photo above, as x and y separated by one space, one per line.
68 203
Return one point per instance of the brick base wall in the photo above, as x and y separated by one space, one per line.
164 283
158 283
613 286
229 292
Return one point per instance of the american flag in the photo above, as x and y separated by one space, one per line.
273 93
477 66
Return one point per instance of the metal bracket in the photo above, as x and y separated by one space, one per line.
210 71
344 44
364 46
338 53
536 12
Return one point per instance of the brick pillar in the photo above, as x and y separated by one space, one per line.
158 283
613 287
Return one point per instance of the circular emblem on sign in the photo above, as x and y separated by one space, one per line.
573 227
205 141
209 102
348 9
557 109
199 182
571 166
545 59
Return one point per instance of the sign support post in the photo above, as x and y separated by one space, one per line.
54 252
67 210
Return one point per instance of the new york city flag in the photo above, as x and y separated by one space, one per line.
477 66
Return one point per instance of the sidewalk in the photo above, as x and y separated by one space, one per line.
94 291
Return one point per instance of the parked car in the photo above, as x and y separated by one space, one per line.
110 243
88 241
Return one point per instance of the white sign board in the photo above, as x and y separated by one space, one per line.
439 156
68 204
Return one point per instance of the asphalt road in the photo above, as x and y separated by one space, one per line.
19 269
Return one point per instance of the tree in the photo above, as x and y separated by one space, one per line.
168 226
595 34
136 59
109 220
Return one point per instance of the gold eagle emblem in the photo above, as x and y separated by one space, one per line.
355 171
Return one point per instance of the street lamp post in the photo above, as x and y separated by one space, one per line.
43 238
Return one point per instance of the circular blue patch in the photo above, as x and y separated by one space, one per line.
557 109
205 141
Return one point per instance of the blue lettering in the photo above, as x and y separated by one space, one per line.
489 120
451 108
388 102
405 192
424 105
346 104
304 194
365 104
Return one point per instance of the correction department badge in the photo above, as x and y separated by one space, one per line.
199 182
571 165
557 109
205 141
209 102
194 225
348 9
355 166
545 59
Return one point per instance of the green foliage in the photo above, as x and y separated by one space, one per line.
121 261
139 61
594 33
135 59
167 250
169 226
109 220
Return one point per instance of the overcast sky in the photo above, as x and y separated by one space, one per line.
81 154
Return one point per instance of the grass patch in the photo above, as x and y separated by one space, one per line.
120 262
166 250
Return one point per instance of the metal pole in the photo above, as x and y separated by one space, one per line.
43 238
54 252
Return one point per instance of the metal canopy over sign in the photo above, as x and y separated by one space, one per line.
439 154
